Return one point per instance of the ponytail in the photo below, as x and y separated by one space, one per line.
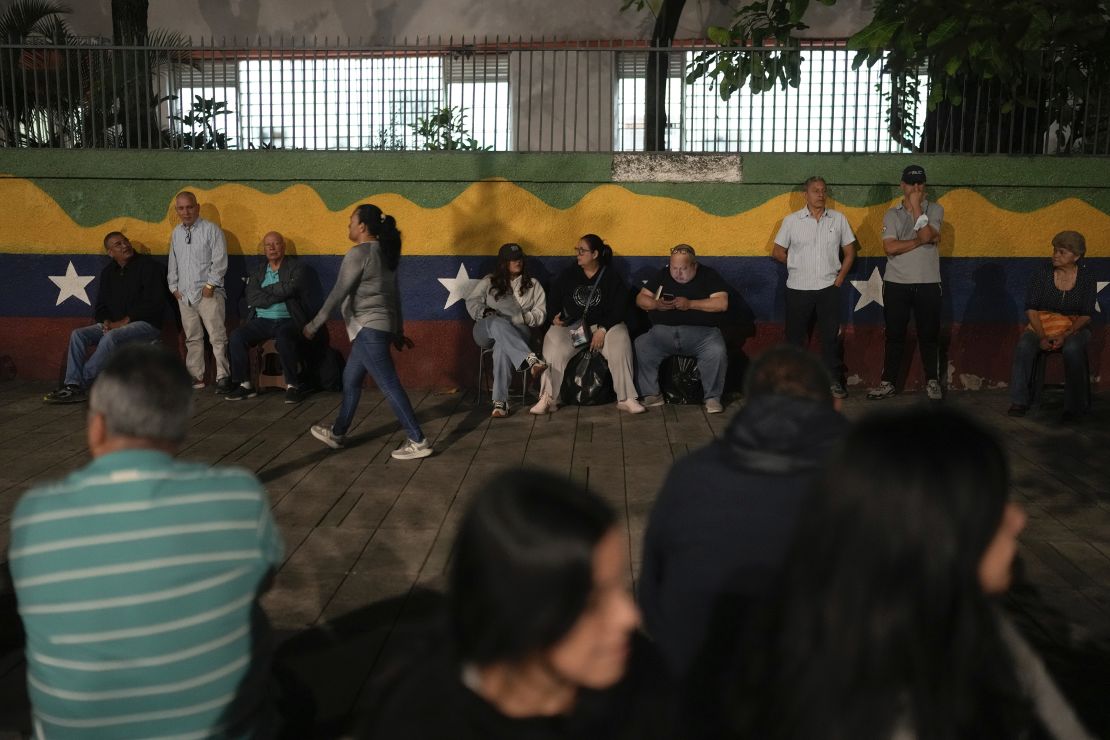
384 229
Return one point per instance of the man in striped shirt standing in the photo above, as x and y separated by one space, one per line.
818 248
138 576
197 266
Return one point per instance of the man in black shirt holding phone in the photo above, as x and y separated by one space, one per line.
685 302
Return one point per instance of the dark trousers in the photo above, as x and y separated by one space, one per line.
256 331
923 301
800 307
1077 387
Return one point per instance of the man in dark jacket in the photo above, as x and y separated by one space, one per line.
130 305
276 310
724 518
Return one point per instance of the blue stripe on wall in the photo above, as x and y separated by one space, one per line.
976 289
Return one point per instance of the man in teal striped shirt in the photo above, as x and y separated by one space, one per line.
138 576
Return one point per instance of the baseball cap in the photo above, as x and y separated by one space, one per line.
510 252
913 174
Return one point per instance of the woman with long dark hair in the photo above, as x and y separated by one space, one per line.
368 297
540 638
593 300
885 622
506 305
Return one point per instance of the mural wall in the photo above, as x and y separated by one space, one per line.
455 210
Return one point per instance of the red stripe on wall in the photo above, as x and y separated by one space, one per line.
445 355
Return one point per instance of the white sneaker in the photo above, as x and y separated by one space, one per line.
546 405
885 389
327 436
932 389
713 406
412 450
655 399
631 405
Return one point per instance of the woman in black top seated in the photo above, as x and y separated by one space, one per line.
540 638
884 624
1059 302
590 279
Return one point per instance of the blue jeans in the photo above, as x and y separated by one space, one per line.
703 342
510 349
1076 396
82 372
285 335
370 353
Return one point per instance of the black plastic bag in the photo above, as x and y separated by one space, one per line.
680 381
587 381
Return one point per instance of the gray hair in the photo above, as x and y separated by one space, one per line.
810 180
144 392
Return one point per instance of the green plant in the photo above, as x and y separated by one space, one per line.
201 122
445 130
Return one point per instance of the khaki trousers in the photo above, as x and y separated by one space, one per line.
558 349
207 315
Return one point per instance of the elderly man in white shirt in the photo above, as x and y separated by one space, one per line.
197 265
818 248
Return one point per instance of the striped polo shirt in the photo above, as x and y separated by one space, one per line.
137 579
198 256
813 247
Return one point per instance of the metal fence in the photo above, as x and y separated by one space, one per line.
523 95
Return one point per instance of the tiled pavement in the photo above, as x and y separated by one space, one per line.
362 530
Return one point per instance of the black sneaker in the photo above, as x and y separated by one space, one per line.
224 386
238 393
293 394
67 394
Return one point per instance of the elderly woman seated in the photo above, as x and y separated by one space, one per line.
1059 302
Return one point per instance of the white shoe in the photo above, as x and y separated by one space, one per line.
713 406
546 405
412 450
885 389
327 436
932 389
655 399
631 405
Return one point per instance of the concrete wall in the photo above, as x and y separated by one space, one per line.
455 209
386 19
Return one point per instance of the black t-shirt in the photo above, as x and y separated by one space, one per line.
706 282
428 700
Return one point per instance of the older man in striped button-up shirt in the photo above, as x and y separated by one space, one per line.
198 263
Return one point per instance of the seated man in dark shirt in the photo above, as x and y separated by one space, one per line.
685 303
275 300
130 305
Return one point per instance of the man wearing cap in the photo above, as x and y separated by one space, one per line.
911 233
818 248
685 302
506 305
197 265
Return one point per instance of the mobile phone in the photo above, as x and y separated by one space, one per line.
668 297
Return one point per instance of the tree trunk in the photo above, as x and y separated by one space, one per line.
656 76
138 124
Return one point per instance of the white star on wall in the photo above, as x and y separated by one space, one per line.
1098 289
870 290
458 287
72 285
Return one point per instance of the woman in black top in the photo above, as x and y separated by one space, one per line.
605 330
1061 288
539 642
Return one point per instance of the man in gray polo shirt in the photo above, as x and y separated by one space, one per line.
197 265
911 233
816 245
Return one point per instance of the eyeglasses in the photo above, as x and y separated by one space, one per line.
579 250
683 249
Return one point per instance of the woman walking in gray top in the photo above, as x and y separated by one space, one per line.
367 296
